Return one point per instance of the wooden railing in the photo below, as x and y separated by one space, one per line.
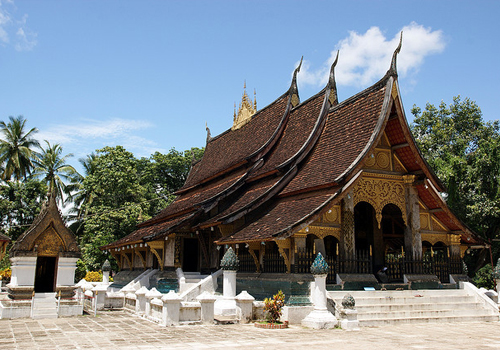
442 267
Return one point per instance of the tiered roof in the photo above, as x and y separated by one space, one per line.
290 162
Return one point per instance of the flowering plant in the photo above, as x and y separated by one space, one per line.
273 306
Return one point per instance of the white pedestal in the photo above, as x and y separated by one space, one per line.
23 271
227 305
320 317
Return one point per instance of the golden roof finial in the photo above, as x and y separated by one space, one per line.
246 109
254 100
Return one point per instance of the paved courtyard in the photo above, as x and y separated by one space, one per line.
120 330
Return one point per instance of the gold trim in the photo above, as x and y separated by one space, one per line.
153 246
282 245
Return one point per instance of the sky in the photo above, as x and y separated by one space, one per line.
149 74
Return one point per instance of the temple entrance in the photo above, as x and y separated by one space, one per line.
190 255
367 236
45 277
393 229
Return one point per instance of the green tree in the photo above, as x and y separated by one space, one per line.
120 191
78 195
464 152
50 165
20 203
16 147
118 201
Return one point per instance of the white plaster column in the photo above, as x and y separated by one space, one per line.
99 294
66 271
152 294
227 305
207 302
23 271
320 317
244 302
140 303
171 308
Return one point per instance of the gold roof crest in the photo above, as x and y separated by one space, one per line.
246 109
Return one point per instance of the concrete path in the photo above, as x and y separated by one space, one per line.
120 330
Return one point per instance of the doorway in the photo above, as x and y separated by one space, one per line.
190 255
45 276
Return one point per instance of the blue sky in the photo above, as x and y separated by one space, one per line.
148 74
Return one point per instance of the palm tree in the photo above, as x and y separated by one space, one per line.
51 166
16 148
77 194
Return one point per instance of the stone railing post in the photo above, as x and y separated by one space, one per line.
171 309
153 293
207 302
320 317
106 268
140 304
227 305
99 293
245 302
349 314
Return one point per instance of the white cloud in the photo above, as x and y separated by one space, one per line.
13 30
364 58
110 132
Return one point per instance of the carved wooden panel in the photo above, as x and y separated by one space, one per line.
379 192
49 243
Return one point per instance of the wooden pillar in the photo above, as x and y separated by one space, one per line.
412 236
347 240
454 245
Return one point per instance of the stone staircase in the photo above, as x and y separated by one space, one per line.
44 306
376 308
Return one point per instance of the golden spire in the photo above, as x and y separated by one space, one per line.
246 109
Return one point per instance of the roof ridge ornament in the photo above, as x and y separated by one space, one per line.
332 85
393 69
246 110
209 136
294 91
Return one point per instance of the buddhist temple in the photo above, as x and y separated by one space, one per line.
44 258
300 177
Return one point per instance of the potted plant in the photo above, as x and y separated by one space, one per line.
272 308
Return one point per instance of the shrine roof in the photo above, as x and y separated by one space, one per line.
189 200
280 220
300 124
154 229
347 133
233 147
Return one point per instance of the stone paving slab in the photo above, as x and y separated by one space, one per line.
121 330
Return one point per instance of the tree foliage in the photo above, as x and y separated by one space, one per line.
125 191
16 147
20 203
51 166
464 151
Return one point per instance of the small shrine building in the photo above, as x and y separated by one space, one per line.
43 259
299 177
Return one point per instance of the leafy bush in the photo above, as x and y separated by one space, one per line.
273 306
5 274
93 276
484 278
81 271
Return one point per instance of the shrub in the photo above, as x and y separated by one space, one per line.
273 306
93 276
484 278
5 274
80 271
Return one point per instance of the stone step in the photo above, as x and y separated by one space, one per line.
464 314
397 293
413 300
420 306
444 319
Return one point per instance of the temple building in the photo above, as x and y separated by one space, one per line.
300 177
43 259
